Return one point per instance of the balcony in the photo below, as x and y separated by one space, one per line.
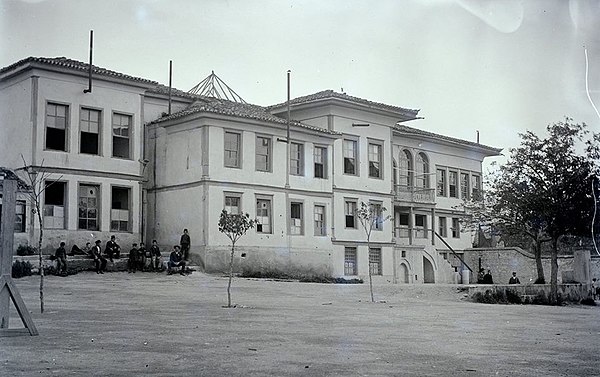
411 194
409 236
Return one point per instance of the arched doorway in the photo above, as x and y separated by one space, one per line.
428 274
403 276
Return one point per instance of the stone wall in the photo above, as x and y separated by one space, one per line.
566 292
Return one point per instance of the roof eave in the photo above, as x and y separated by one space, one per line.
483 149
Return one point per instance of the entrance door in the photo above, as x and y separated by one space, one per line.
403 274
428 274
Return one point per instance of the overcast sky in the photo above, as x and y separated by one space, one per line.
500 67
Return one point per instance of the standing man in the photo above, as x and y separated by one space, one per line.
132 263
154 256
514 279
142 257
185 244
61 260
99 260
113 249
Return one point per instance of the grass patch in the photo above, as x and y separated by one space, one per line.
301 274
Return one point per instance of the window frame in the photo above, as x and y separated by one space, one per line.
455 227
22 217
231 195
98 208
355 141
405 165
269 200
323 156
322 230
299 157
67 105
375 257
64 206
350 251
378 224
455 185
465 192
99 134
130 134
238 164
290 219
443 226
441 182
129 208
475 185
379 145
269 159
423 168
353 214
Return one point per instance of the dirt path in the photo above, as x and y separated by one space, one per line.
156 325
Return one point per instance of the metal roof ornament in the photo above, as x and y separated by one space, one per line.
213 86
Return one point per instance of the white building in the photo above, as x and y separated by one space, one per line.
120 164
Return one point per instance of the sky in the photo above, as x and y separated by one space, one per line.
497 67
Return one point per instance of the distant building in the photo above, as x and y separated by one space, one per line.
123 165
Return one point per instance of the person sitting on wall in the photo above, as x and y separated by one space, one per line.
87 250
175 260
61 259
142 257
132 263
487 278
514 279
155 257
113 250
99 260
480 276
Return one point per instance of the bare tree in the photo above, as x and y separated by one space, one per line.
36 179
233 226
370 217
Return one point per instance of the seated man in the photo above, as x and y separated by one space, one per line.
175 260
99 260
142 257
61 259
113 250
87 250
155 258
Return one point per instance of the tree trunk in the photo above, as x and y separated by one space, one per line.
369 264
230 276
41 260
538 262
554 273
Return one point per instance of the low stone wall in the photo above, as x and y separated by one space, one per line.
74 263
566 292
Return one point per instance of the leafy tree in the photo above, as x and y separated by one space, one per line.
544 191
370 217
234 226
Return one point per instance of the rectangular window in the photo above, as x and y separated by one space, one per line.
263 153
420 226
453 184
120 209
296 159
350 157
464 186
263 216
375 160
20 217
296 223
455 227
442 227
89 131
121 131
476 186
350 212
320 227
232 204
403 225
232 149
441 182
350 261
56 126
376 208
54 205
320 158
88 207
375 261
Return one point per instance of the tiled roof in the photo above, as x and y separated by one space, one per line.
414 131
243 110
63 62
164 90
6 173
325 94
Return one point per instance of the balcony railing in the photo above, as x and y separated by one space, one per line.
414 194
403 231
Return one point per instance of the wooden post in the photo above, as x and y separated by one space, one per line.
9 189
8 290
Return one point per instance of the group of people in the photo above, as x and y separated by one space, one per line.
139 258
486 277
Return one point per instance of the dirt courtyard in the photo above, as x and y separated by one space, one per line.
146 324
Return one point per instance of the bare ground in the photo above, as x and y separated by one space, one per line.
121 324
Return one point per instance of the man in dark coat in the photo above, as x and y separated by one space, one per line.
185 244
113 250
99 260
514 279
132 263
155 256
487 278
175 260
61 259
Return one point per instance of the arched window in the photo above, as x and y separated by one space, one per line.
422 178
406 169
